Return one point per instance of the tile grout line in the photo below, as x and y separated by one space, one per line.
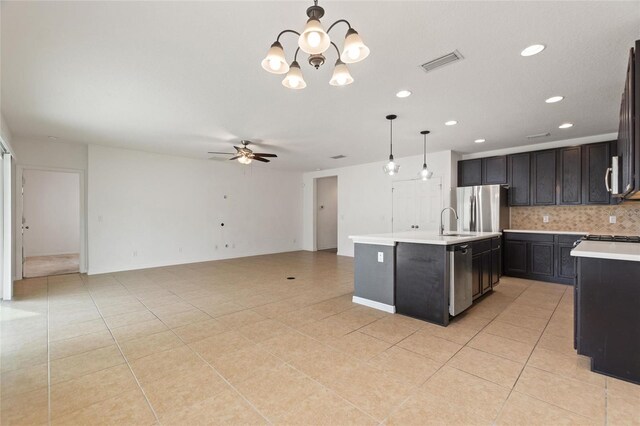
48 357
122 354
528 358
192 350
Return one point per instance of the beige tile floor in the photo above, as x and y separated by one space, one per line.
57 264
235 342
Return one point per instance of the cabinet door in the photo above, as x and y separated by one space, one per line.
519 179
494 170
542 258
486 271
495 266
596 159
476 282
543 177
470 172
566 262
570 175
515 257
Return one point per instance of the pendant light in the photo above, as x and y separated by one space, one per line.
391 168
275 62
294 79
425 173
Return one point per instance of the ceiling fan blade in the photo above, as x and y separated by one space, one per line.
264 160
237 149
220 153
265 155
235 157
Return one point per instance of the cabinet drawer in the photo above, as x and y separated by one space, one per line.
569 239
543 238
495 242
481 246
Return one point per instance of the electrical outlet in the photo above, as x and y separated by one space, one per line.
612 219
545 218
380 257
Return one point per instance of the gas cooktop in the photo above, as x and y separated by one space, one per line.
613 238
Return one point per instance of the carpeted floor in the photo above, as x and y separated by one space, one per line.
42 266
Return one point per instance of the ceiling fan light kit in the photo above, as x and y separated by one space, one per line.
315 41
245 155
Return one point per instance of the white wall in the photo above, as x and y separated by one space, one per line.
148 210
327 213
51 208
364 196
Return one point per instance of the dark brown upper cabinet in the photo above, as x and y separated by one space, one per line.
569 184
494 170
470 172
596 158
543 177
519 167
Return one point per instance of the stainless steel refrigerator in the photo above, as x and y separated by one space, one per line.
481 208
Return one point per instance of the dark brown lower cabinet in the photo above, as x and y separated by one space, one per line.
543 257
486 264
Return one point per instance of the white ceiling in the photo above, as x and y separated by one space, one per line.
185 78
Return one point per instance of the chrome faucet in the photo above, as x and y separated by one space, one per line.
441 221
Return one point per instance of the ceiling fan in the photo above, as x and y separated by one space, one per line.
245 155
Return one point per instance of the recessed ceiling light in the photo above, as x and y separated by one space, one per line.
554 99
52 137
451 123
479 140
565 125
403 94
534 49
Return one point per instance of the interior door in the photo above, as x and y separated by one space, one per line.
404 206
429 204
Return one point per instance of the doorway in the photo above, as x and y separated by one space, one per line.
50 222
327 214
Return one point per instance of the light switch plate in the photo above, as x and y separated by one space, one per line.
612 219
545 218
380 257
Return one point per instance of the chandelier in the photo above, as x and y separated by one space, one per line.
315 41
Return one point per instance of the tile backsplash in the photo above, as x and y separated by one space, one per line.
591 219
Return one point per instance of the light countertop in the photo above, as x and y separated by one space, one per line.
421 237
608 250
537 231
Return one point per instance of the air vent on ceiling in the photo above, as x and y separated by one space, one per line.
337 157
442 61
539 135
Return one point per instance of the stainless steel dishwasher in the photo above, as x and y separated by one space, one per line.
460 278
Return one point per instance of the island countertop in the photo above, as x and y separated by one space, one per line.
421 237
608 250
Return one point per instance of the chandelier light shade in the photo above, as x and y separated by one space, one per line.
354 48
341 75
391 168
294 79
425 173
275 61
315 41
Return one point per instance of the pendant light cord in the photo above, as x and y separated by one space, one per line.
425 151
391 136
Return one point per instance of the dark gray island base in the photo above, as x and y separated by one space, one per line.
412 275
607 316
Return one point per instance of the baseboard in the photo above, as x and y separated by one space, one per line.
375 305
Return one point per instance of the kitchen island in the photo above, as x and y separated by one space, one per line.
425 275
607 307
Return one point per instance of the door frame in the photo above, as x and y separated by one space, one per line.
315 209
20 212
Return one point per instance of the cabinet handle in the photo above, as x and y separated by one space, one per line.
606 179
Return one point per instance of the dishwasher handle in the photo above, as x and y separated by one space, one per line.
461 248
